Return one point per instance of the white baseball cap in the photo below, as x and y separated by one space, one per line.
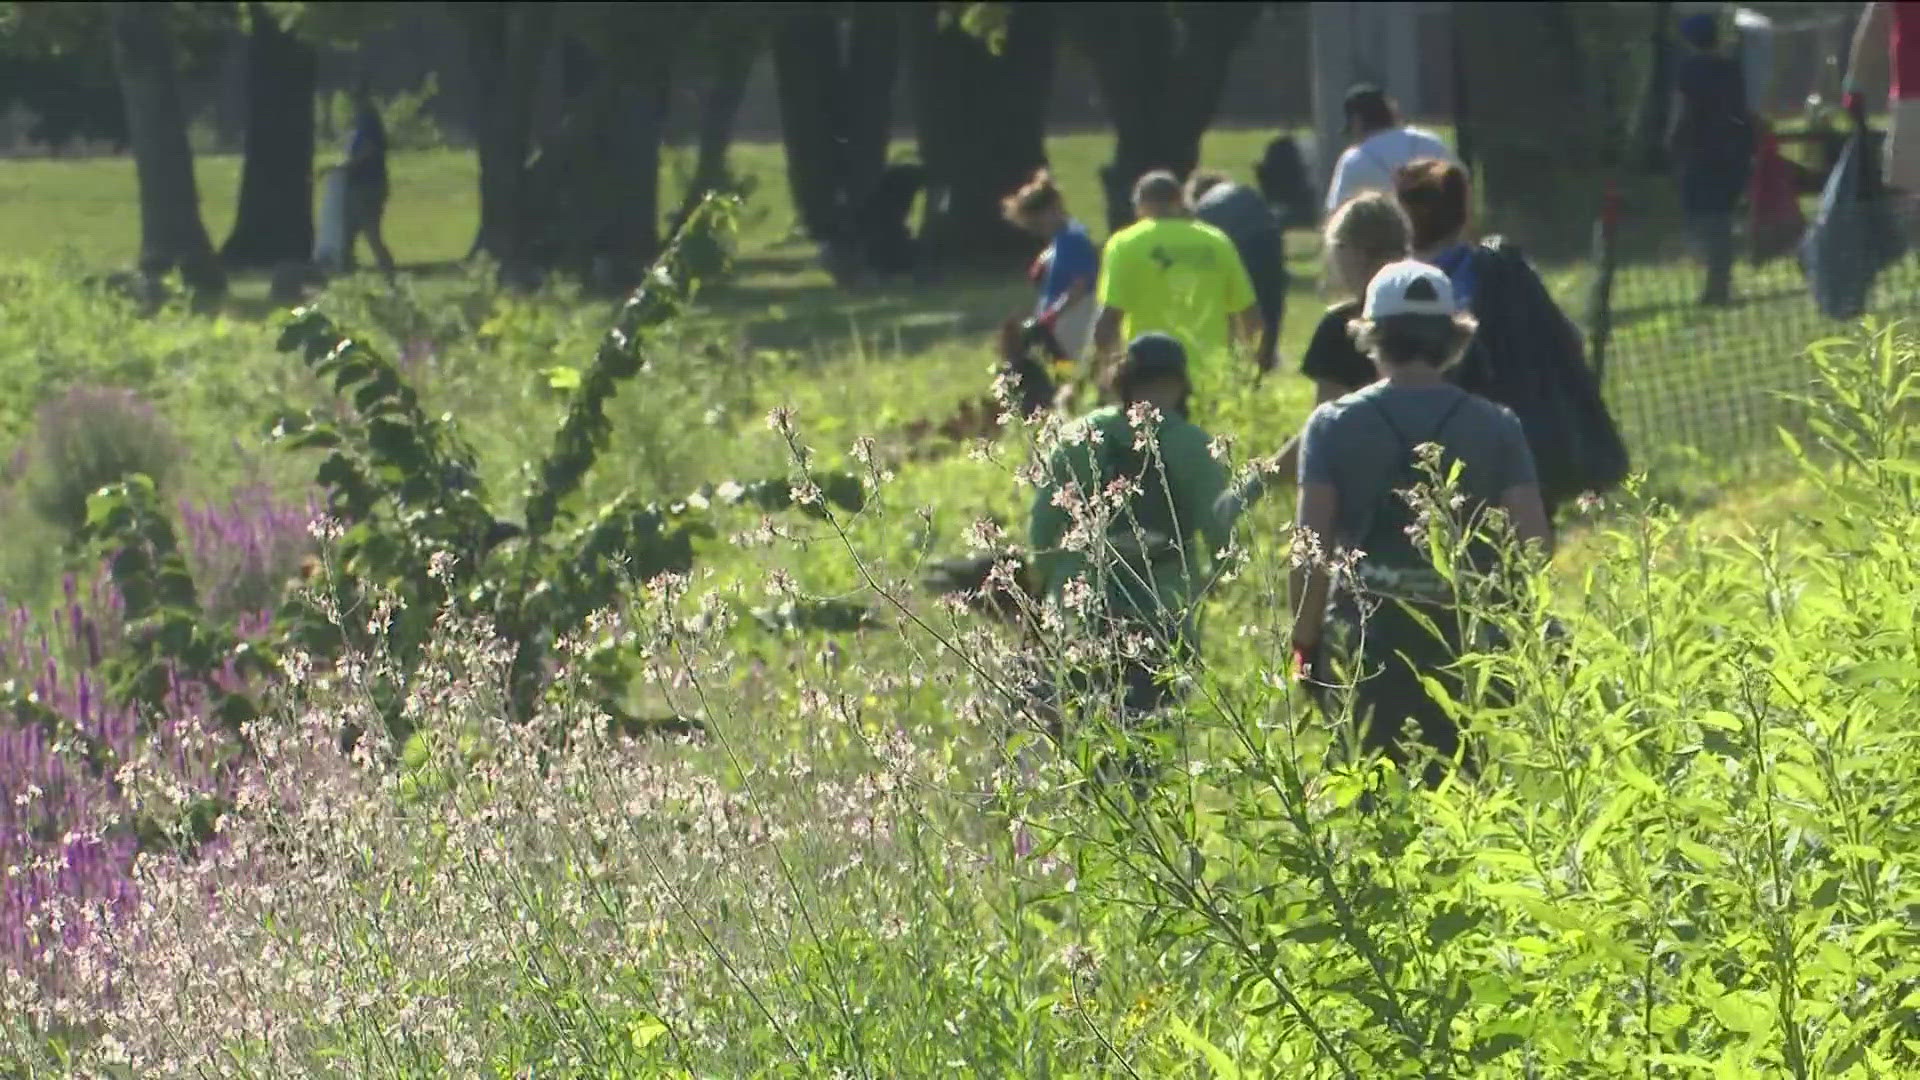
1408 287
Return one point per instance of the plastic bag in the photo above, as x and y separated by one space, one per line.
330 234
1854 235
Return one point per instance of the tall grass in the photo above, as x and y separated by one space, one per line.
1691 851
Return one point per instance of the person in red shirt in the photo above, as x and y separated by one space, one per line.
1897 23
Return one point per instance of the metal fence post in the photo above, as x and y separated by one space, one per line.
1600 303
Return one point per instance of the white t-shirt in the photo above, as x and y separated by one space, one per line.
1369 165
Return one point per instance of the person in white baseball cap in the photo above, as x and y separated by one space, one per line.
1357 461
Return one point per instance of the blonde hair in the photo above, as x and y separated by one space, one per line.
1371 224
1037 196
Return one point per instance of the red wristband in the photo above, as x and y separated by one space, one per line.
1302 663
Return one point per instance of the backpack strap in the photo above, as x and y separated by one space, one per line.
1391 574
1406 444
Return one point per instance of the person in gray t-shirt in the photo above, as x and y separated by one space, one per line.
1357 457
1243 214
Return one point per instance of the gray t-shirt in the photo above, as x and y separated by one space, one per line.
1237 210
1350 445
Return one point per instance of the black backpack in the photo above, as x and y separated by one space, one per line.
1027 348
1531 358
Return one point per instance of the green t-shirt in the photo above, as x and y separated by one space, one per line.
1183 503
1177 276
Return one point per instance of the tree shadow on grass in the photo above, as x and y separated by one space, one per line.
908 317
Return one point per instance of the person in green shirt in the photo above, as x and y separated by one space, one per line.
1145 574
1170 274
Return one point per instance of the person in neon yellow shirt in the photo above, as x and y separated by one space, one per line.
1168 273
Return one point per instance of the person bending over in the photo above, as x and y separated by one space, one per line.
1066 268
1244 216
1357 459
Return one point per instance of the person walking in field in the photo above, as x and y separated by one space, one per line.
1527 355
1711 142
1887 38
1147 572
1244 215
1066 269
1392 620
1167 273
1380 144
1366 233
366 170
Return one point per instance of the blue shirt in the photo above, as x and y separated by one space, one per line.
369 137
1073 258
1457 263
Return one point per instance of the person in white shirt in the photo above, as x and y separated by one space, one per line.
1381 143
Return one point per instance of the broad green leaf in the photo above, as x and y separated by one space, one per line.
1217 1059
1744 1011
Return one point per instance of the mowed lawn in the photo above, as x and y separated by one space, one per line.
894 353
89 208
85 214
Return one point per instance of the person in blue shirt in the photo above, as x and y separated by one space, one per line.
1066 271
1711 141
367 177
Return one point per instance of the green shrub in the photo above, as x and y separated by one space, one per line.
87 439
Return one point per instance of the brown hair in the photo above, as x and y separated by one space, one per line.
1434 195
1372 224
1037 196
1201 182
1436 340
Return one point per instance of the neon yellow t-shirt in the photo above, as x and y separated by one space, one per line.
1176 276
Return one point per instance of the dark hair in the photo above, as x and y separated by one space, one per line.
1435 340
1201 182
1369 105
1702 31
1434 195
1136 369
1037 196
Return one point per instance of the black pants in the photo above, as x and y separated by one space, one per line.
1264 255
1710 191
1136 690
1386 655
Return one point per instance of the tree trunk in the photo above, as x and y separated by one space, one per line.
275 220
1650 135
1539 150
806 75
835 108
867 78
720 102
591 197
1160 70
171 232
506 44
626 212
982 128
